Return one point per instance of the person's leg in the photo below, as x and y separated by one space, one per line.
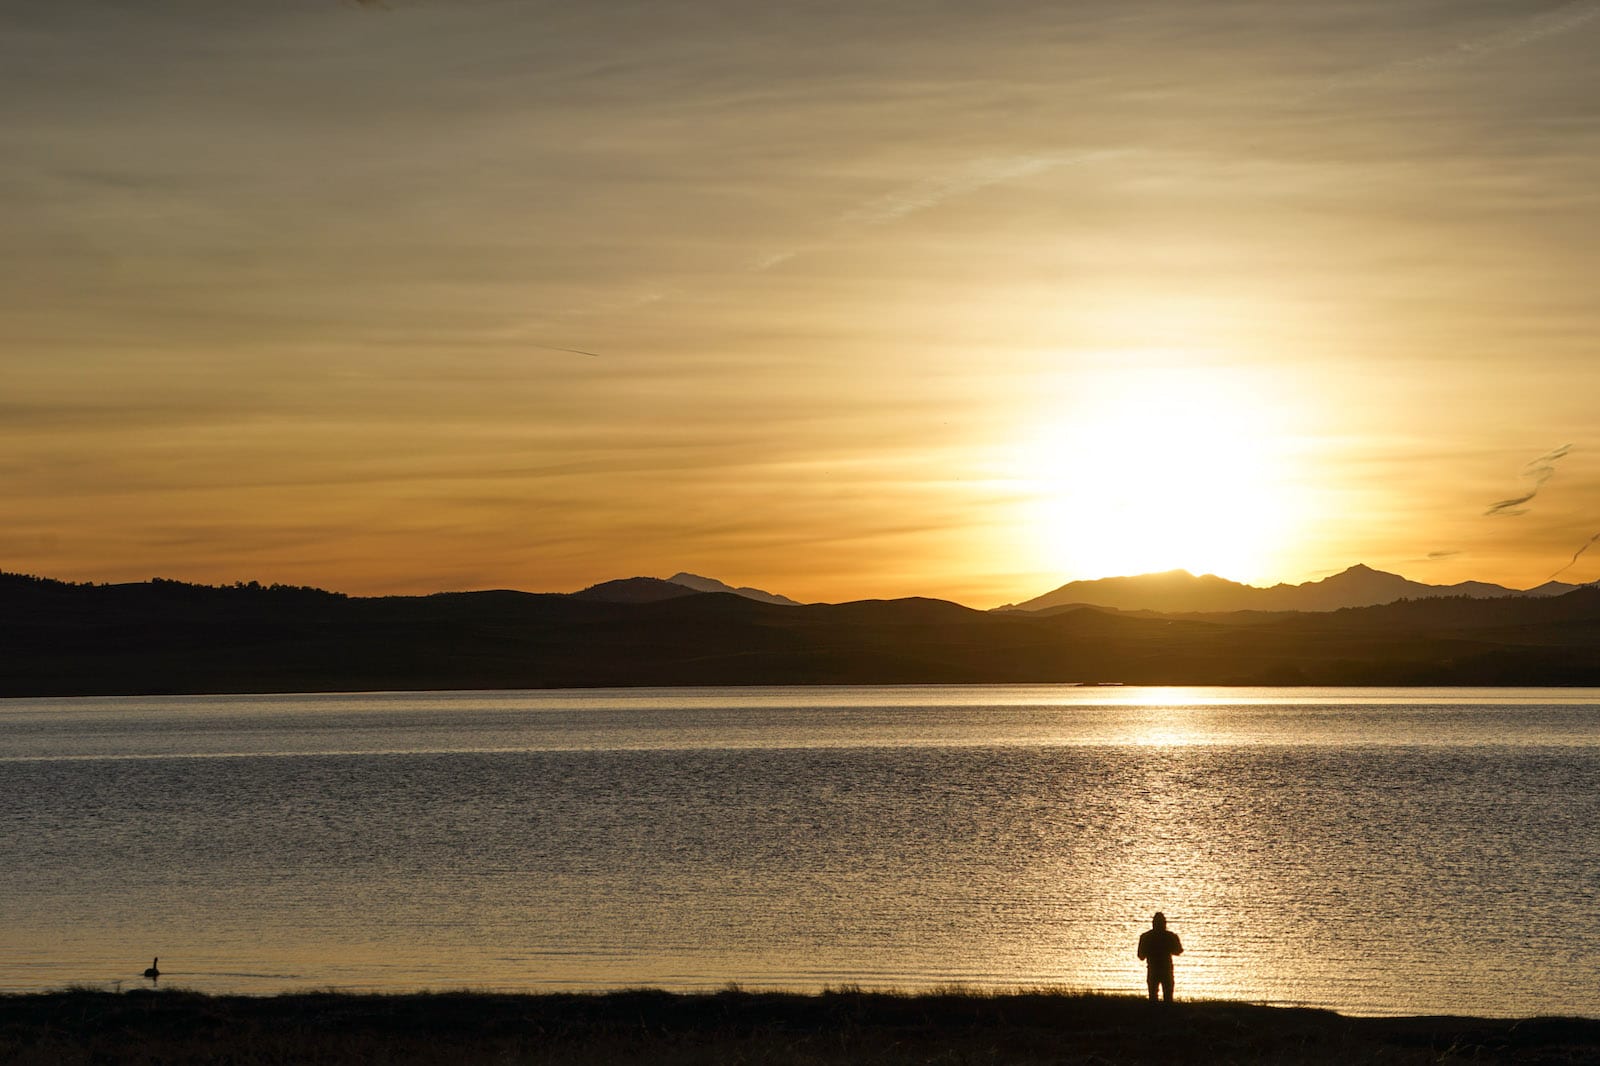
1166 986
1153 979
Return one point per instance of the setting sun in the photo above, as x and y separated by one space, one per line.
1157 468
734 302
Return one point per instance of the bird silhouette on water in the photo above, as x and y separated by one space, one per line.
153 972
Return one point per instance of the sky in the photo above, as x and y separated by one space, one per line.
840 300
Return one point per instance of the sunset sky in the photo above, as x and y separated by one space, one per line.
840 300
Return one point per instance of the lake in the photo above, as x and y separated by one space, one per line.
1371 850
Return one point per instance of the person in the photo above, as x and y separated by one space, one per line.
1157 945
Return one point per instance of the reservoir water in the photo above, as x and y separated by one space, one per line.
1370 850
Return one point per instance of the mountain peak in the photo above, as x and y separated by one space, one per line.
711 584
1169 590
633 590
1363 573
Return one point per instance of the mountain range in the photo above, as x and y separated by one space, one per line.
1172 592
162 637
1178 591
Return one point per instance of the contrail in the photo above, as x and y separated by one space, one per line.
1541 470
1575 556
574 351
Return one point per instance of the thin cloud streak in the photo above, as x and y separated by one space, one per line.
918 196
1541 470
1463 53
1575 557
984 172
977 174
574 351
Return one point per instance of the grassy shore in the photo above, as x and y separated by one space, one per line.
174 1027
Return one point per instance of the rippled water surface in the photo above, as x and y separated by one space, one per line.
1375 851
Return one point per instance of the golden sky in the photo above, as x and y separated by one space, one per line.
884 299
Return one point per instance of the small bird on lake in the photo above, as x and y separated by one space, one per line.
152 972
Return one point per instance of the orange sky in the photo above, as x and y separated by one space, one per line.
913 300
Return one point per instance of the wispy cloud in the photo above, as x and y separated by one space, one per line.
1575 557
1540 470
926 193
986 171
1523 33
975 175
574 351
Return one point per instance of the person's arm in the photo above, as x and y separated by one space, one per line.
1142 939
1177 945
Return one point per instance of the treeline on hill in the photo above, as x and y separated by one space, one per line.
164 636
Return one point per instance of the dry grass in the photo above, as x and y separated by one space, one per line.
176 1027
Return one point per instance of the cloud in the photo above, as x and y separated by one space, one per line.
1444 554
1524 33
926 193
767 262
1540 470
976 174
1575 557
574 351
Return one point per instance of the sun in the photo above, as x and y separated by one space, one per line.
1143 470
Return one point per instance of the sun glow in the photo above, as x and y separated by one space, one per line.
1152 469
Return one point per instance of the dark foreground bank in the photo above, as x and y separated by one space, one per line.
662 1029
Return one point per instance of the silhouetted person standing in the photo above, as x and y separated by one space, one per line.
1157 945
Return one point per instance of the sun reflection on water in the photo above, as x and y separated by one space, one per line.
1175 722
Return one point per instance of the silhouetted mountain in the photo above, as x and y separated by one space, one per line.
169 637
634 590
711 584
1178 591
1173 590
1558 588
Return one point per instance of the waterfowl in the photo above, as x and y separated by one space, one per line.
152 972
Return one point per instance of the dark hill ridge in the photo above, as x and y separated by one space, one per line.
649 589
634 590
711 584
1178 591
169 637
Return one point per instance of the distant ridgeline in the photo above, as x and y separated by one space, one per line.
1179 590
58 638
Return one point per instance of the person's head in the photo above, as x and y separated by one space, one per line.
1158 921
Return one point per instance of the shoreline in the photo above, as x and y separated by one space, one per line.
175 1026
747 686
